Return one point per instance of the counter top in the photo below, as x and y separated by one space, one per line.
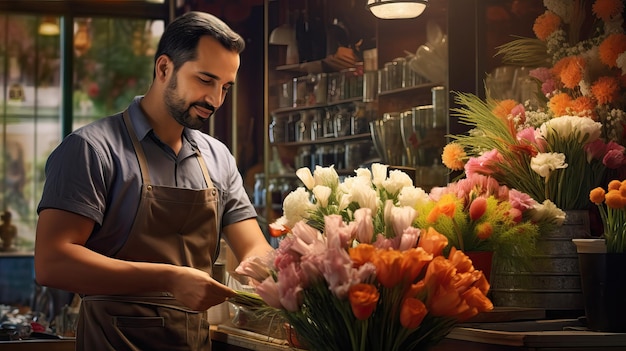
542 335
38 345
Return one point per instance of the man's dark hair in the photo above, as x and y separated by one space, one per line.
180 38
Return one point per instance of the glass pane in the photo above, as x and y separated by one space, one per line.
113 63
29 111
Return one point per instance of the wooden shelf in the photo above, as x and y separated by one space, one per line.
364 136
417 88
283 110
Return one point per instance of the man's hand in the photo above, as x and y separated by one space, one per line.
197 290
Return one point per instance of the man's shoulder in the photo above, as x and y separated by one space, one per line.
112 123
208 143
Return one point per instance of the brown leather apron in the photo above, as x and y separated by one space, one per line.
173 225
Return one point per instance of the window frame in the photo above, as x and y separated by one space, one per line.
70 9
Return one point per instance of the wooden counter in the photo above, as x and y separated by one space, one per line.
545 335
38 345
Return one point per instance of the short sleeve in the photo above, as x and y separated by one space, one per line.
70 187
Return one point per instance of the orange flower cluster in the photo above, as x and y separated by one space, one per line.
546 24
615 198
612 207
429 282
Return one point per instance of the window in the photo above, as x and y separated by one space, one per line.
112 63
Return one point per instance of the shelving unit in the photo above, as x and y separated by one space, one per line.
468 33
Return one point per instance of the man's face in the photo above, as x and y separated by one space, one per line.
199 87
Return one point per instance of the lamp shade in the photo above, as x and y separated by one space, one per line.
396 9
49 26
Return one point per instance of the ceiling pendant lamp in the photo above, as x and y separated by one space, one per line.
396 9
49 26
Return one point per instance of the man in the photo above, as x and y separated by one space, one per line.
134 204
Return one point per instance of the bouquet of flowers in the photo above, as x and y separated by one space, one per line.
352 272
612 205
478 214
562 146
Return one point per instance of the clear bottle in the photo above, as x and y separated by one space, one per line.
358 120
259 190
341 120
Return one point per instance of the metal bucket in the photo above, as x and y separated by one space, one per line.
552 281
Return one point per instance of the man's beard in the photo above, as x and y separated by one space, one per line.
179 110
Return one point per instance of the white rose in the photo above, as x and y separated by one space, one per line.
547 210
412 196
296 206
326 176
396 181
544 163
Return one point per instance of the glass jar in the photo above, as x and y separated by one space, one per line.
303 158
340 156
317 124
259 190
277 130
275 191
341 122
358 120
303 126
328 123
325 155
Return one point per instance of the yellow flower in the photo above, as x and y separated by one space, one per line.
454 156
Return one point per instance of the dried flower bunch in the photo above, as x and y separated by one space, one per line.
572 137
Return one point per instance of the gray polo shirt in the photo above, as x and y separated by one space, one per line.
94 172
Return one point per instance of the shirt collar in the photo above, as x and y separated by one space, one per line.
138 118
143 128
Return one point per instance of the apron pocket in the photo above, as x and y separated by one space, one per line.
139 322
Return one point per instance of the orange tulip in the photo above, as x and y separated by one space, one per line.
362 254
363 299
476 298
432 241
414 261
446 301
460 260
412 312
389 267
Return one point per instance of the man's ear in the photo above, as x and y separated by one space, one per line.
163 67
